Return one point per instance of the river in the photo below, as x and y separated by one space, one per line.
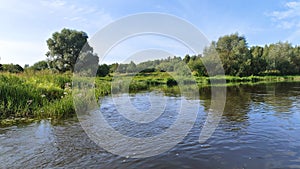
259 128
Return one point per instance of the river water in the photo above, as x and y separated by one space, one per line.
260 128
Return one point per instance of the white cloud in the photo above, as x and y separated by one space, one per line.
79 13
288 18
54 4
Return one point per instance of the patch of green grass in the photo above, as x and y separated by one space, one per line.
58 109
22 95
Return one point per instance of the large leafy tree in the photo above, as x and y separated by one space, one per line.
65 48
234 54
280 57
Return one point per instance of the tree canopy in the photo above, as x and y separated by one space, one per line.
41 65
12 68
65 47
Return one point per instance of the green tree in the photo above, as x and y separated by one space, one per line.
187 58
211 60
182 69
113 67
234 53
12 68
131 67
280 57
65 47
258 62
103 70
197 67
41 65
296 59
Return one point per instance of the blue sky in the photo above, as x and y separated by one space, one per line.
26 25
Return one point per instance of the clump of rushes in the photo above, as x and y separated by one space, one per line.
136 86
57 109
22 100
23 96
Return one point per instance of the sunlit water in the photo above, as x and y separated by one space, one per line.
260 128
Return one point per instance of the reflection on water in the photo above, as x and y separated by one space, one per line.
259 129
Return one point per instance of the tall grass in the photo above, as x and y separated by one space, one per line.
24 95
57 109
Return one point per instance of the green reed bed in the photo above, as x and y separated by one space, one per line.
33 96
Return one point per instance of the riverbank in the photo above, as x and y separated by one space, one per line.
32 95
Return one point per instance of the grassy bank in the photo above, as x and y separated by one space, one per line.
39 95
34 95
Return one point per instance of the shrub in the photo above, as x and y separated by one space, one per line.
171 82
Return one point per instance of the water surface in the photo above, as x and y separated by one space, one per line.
259 129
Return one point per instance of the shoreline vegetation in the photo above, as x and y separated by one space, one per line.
32 96
44 90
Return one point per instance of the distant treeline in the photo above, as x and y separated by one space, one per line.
238 59
12 68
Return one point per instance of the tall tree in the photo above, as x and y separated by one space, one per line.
65 47
258 62
233 52
280 58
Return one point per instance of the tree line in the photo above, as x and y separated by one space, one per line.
238 59
281 58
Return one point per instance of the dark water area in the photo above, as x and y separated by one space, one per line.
260 128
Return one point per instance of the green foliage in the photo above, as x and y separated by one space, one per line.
148 70
131 68
270 73
281 57
236 57
65 48
57 109
171 82
103 70
41 65
43 94
46 94
113 67
138 86
23 95
87 64
11 68
258 62
233 52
